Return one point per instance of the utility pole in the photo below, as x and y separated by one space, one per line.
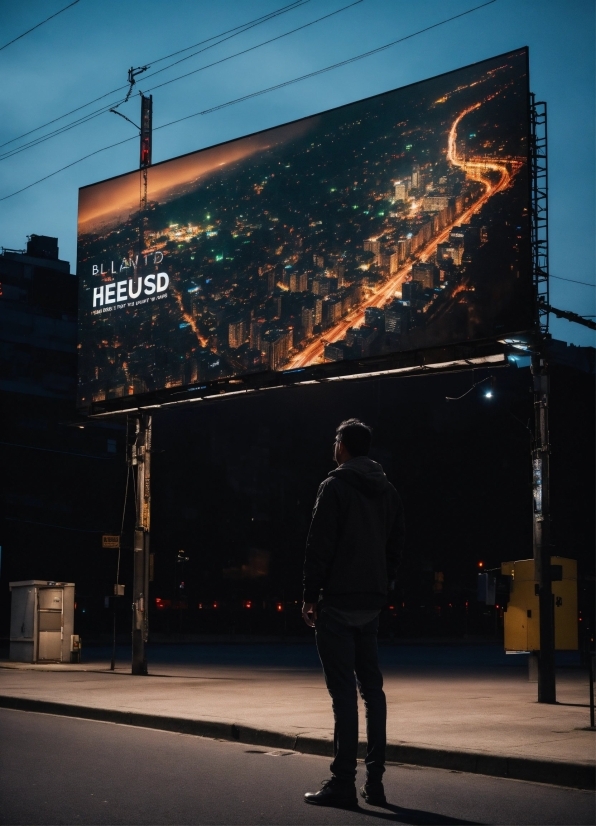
146 135
541 536
145 162
141 465
541 447
140 449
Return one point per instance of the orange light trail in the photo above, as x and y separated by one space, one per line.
476 170
189 319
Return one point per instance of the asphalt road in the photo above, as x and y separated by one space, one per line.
59 770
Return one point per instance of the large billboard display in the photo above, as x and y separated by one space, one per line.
396 223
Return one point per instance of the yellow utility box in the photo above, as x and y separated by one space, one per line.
522 617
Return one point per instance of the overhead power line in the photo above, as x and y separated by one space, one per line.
51 17
68 165
320 71
194 54
111 106
256 94
237 29
282 10
573 280
252 48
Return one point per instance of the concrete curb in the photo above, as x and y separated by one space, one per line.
555 772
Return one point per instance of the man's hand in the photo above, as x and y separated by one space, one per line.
309 613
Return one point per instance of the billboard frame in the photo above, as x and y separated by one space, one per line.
491 351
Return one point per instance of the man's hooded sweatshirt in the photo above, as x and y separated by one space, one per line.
356 536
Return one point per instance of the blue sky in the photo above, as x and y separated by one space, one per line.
87 50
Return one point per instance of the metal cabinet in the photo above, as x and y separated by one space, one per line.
522 618
41 621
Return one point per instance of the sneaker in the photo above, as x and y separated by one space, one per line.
373 793
334 792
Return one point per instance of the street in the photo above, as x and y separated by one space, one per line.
57 770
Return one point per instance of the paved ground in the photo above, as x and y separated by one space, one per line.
465 709
69 771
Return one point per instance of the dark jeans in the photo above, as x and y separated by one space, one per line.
349 657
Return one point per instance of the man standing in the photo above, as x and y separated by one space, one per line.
353 550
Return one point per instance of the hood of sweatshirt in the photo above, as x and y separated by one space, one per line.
364 474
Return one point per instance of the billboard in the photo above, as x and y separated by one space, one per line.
392 224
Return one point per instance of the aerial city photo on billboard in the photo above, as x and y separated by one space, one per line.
396 223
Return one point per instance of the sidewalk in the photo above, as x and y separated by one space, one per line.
466 709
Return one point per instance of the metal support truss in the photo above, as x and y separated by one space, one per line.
539 215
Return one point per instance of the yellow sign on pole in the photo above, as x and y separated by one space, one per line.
110 541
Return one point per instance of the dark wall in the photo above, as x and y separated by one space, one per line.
234 483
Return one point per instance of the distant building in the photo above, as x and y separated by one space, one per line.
335 352
276 345
426 273
236 333
435 203
255 335
394 263
333 308
401 190
472 236
457 236
404 248
416 177
318 309
361 340
396 318
251 360
298 282
348 300
374 245
320 286
307 318
38 321
53 489
275 307
324 286
411 291
445 252
340 272
375 317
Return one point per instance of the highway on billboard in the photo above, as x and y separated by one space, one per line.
395 223
476 171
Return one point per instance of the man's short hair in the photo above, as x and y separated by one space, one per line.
355 437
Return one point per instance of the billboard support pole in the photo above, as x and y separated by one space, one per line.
141 460
541 447
547 692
